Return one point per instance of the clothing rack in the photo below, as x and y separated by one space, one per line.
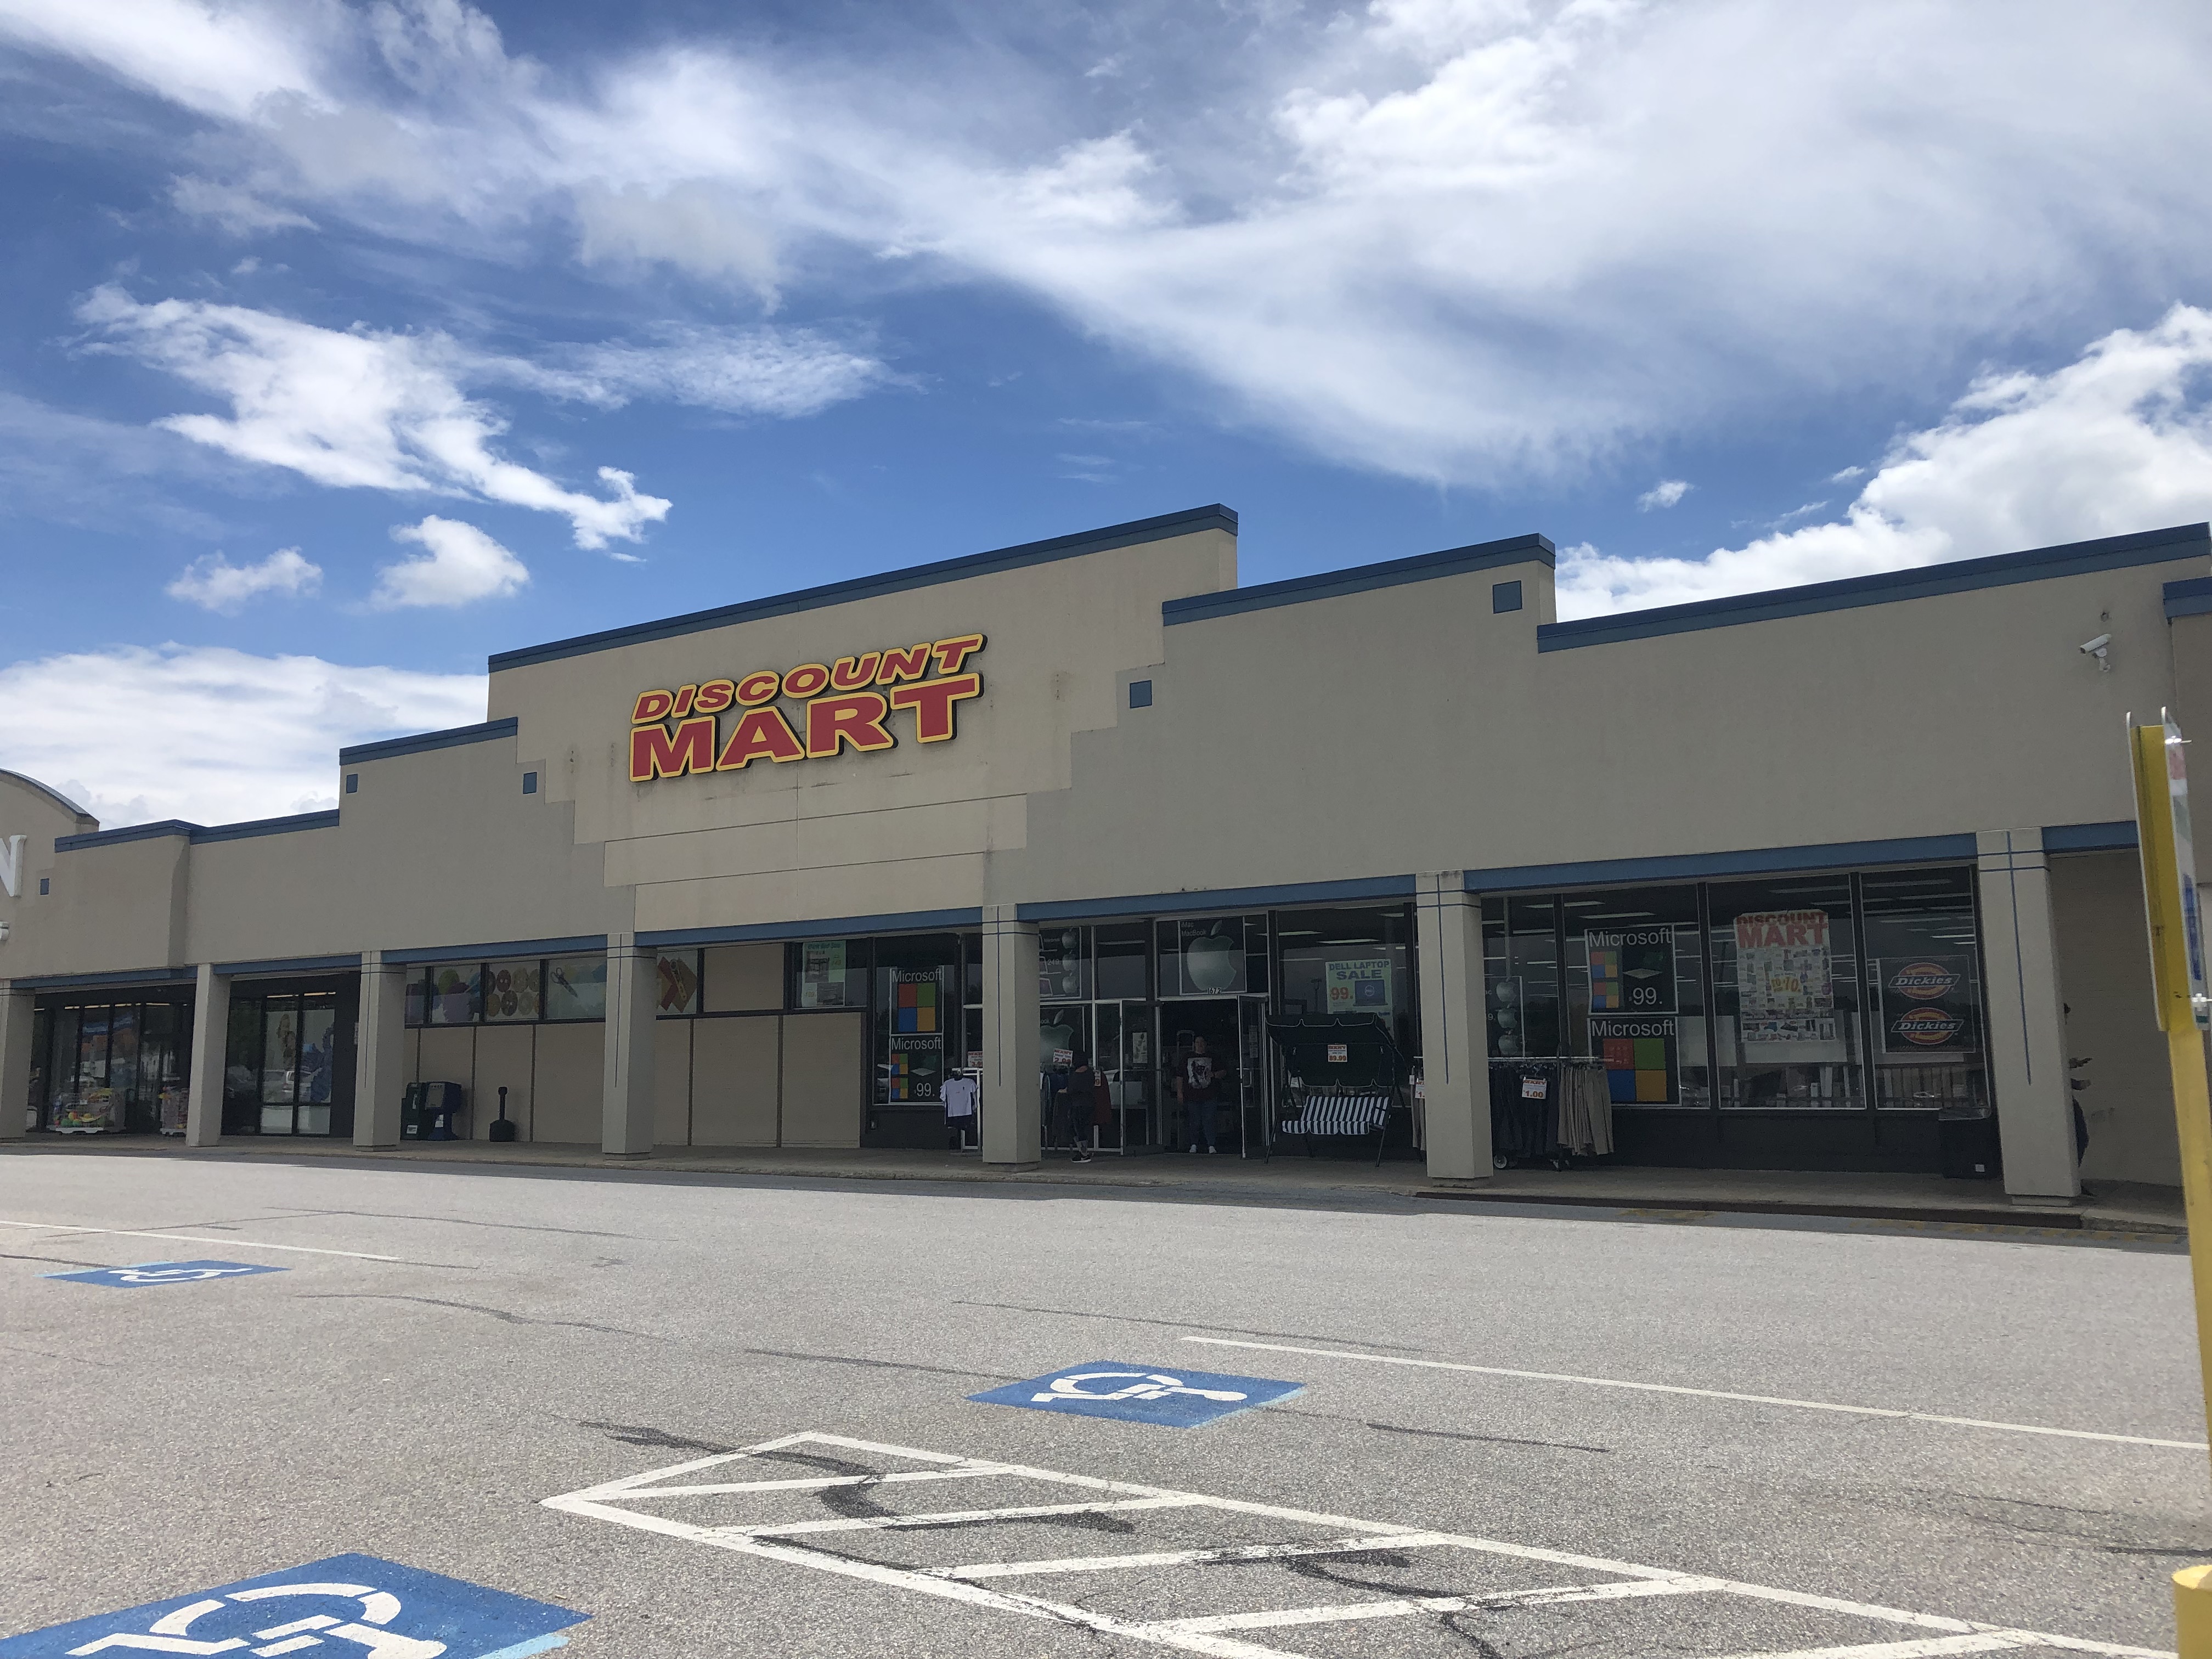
1569 1115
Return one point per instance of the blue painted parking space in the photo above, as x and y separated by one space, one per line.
1140 1394
149 1273
352 1605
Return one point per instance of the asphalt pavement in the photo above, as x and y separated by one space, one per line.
1517 1433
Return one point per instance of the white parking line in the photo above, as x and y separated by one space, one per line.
1213 1633
195 1238
1993 1642
1701 1394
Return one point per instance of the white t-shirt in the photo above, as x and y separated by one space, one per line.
958 1095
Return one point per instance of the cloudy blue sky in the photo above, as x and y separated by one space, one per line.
347 342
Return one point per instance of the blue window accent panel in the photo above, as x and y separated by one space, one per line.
367 1605
1504 596
46 886
353 783
1140 1394
530 783
1140 694
148 1274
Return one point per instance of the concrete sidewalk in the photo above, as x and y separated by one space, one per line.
2109 1206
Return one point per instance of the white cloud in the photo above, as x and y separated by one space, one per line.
1665 493
350 410
208 735
461 565
219 59
216 584
2118 440
236 209
788 373
1456 240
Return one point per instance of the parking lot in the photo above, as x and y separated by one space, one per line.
732 1415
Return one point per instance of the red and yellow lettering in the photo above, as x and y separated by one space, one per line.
856 719
653 753
684 702
756 688
950 654
761 734
714 697
931 701
902 665
809 679
851 673
651 706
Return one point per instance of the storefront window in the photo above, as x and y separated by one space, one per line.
576 987
109 1066
1064 964
679 984
1924 962
1635 992
1521 963
1786 993
829 972
1213 956
514 991
456 993
1120 955
915 1033
1349 961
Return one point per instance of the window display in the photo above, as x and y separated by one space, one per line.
513 990
576 987
1785 994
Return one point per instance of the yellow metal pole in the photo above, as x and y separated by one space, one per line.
2162 828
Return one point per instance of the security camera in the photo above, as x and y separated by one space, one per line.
2100 648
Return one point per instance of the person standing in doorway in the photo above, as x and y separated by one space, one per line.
1072 1105
1194 1087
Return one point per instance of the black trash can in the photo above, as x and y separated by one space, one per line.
1966 1136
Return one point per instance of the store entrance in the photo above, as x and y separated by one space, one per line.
1218 1022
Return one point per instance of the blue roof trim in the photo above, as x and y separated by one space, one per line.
93 982
1220 899
2090 837
128 832
337 964
422 741
1692 866
2189 598
1138 531
577 946
911 922
1361 579
284 826
1961 576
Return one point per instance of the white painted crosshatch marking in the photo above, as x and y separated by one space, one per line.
895 1482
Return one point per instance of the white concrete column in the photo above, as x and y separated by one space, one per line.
2025 1009
633 998
210 1056
1454 1031
380 1078
16 1002
1012 1127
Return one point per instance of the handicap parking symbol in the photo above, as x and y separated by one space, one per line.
1140 1394
352 1606
165 1272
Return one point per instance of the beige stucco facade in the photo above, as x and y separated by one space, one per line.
1150 740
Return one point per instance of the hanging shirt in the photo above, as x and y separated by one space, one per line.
958 1095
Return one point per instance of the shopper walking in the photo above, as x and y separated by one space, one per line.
1195 1083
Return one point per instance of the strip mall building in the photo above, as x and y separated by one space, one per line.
1796 872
